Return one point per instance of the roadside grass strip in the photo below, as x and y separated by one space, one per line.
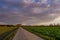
8 35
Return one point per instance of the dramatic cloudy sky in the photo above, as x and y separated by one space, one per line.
29 12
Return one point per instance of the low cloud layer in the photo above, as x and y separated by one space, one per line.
16 11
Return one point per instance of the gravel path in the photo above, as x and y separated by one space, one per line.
22 34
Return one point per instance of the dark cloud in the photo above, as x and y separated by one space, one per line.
12 12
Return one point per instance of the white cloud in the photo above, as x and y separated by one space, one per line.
53 15
57 20
44 1
29 1
38 10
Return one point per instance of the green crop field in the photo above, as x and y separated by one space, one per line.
48 33
6 33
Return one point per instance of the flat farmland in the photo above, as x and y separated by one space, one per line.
5 29
7 33
48 33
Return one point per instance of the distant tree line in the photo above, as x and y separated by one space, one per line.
20 25
51 25
17 25
7 25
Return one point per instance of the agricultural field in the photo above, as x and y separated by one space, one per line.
48 33
6 33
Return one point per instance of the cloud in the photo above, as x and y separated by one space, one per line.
44 17
44 1
29 1
14 1
2 23
56 21
13 12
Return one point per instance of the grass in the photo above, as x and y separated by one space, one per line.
48 33
5 29
11 35
7 33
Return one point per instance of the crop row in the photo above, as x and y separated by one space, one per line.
49 33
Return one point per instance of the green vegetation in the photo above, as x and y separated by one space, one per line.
5 29
46 32
7 33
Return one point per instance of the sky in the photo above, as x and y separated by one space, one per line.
29 12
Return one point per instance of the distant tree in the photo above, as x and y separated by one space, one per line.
51 25
18 25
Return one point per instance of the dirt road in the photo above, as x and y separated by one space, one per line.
22 34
